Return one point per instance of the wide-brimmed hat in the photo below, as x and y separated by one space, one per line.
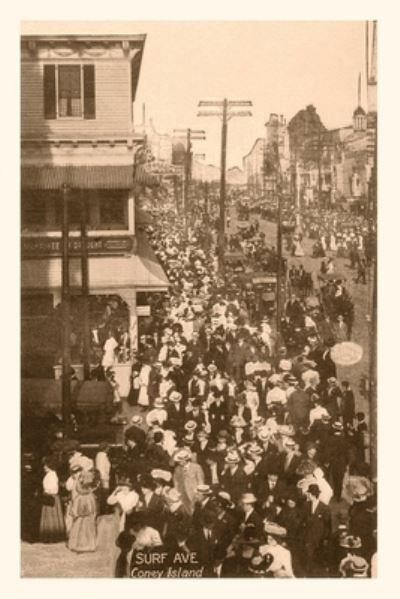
350 542
254 449
161 475
175 396
274 529
289 442
182 455
238 422
358 566
286 430
159 402
248 498
264 434
337 426
232 457
124 481
190 426
136 420
224 500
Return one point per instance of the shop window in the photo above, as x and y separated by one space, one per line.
33 209
112 209
74 212
36 306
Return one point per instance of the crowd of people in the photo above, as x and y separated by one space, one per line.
244 448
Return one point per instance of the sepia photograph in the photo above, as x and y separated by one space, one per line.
198 284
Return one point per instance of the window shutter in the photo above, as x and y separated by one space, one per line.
89 105
49 91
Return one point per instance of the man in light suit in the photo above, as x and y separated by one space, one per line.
187 477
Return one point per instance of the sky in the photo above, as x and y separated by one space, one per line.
280 66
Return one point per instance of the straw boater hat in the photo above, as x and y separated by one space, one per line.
232 457
286 430
254 449
350 542
159 403
204 490
224 499
248 498
182 456
136 420
190 426
264 434
175 396
359 567
337 426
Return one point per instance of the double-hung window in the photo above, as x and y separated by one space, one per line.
69 91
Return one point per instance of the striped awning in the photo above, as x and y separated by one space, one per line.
86 177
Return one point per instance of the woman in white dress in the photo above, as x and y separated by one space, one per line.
332 244
298 250
144 377
109 351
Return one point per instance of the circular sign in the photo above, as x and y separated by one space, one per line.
346 353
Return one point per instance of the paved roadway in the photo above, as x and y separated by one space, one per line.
40 560
361 295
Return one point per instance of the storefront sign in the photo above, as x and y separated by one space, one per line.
143 310
41 247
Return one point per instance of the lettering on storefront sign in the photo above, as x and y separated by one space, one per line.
42 247
143 310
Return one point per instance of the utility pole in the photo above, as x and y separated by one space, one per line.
191 134
85 288
279 247
66 329
226 111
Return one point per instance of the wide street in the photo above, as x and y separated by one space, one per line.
360 294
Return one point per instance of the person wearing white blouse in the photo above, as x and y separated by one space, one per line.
51 529
126 498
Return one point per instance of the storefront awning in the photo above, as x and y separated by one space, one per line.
116 176
77 177
141 271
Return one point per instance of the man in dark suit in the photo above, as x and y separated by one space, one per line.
204 540
262 390
153 506
233 478
288 463
334 399
299 406
249 517
349 410
176 414
335 453
156 455
315 531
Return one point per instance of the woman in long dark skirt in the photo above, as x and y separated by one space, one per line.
51 529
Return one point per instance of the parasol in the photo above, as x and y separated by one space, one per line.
346 353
